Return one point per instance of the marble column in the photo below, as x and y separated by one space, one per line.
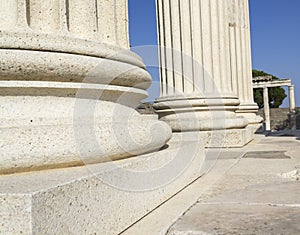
292 98
69 85
267 109
240 60
197 92
292 114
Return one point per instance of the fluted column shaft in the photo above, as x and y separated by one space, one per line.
100 20
194 47
240 58
93 28
195 60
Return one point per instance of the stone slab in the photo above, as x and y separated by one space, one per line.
266 155
161 219
232 219
254 196
254 185
96 199
278 193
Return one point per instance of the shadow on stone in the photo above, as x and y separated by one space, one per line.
283 133
166 146
267 155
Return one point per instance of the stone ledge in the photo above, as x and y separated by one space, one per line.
82 200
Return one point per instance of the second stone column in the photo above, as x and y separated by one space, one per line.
197 92
240 60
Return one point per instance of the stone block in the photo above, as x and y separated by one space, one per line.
230 138
103 198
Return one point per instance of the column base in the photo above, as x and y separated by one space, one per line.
96 199
45 132
249 112
255 121
187 114
64 110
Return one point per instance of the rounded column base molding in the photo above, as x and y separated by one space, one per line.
70 103
201 121
65 43
39 133
247 107
127 96
197 102
252 118
249 111
199 114
29 65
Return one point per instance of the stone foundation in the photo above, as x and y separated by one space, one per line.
96 199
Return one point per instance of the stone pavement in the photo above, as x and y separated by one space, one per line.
253 190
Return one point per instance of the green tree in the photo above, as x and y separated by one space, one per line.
276 94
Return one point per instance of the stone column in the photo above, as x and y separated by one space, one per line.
292 115
292 98
196 82
240 60
267 109
69 84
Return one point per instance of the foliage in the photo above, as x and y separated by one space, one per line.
276 94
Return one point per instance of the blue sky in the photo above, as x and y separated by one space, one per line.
275 32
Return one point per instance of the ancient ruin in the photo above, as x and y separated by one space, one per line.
75 155
265 82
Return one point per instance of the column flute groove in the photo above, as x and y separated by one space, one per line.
202 47
186 42
176 45
192 47
169 50
197 45
64 17
23 14
161 49
207 46
211 87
